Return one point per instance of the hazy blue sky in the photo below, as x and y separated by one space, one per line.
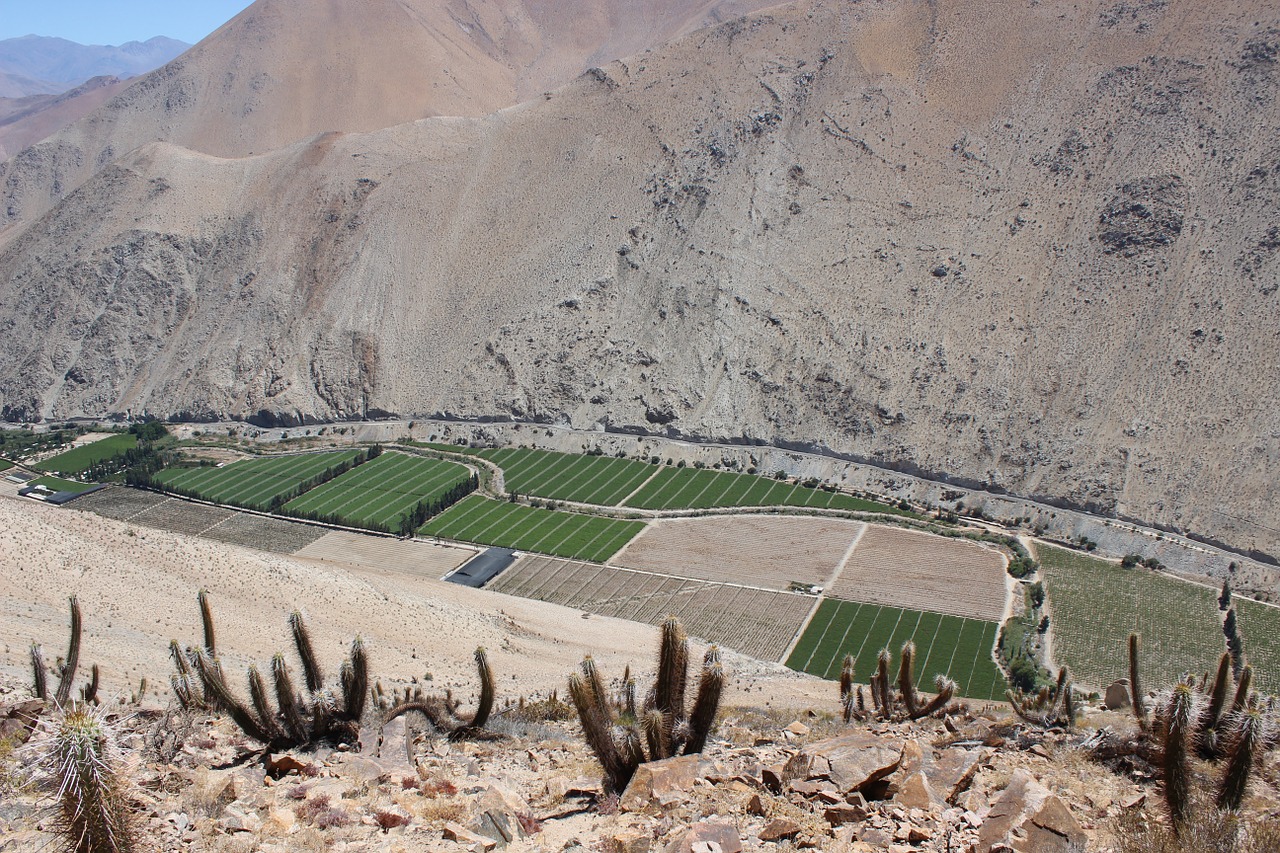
116 21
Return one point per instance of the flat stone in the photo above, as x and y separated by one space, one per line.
841 815
853 762
462 835
1053 829
18 720
915 792
283 764
708 836
755 806
774 777
661 782
1010 819
797 728
778 829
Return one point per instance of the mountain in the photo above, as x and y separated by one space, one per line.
283 70
19 86
25 121
66 64
1031 249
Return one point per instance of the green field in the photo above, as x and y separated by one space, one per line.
945 645
78 459
252 483
1095 604
601 480
507 525
693 488
5 464
382 491
609 481
59 485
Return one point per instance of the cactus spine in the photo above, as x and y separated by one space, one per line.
85 772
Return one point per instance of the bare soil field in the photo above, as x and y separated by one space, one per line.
137 587
119 503
182 516
920 571
757 550
752 621
421 559
265 534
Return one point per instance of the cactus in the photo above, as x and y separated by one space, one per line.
849 701
1207 724
1135 684
907 703
67 671
1248 740
84 770
298 720
206 620
1177 723
663 728
1048 708
442 711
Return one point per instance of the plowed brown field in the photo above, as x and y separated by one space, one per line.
921 571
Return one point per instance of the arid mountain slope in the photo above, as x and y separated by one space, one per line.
69 64
284 70
1021 245
25 121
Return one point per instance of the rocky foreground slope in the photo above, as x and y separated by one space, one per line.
1023 246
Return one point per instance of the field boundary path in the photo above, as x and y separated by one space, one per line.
656 471
822 596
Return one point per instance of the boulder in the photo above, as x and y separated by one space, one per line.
18 720
1029 819
661 782
853 762
708 836
779 829
498 812
462 835
915 792
1117 696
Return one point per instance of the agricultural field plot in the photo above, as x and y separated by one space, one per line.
180 516
1095 604
382 491
60 485
253 483
5 464
507 525
755 622
78 459
693 488
757 550
119 502
263 533
380 553
600 480
945 645
921 571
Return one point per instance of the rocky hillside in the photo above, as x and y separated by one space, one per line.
1030 249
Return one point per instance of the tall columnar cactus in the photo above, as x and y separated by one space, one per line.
206 620
67 671
298 718
1135 684
849 694
906 702
1208 724
1178 719
443 711
1049 707
83 768
1248 739
664 727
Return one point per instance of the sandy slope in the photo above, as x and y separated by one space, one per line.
137 589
